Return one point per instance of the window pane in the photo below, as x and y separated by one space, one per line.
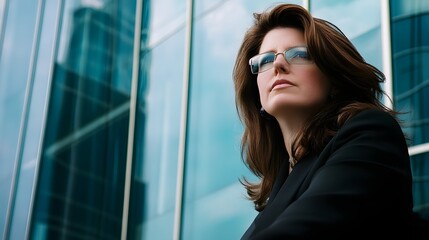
158 121
82 169
410 45
33 118
15 57
410 51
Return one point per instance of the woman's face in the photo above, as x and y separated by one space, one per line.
298 87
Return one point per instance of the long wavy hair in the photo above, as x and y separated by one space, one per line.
355 87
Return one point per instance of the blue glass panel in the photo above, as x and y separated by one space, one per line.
165 16
15 50
157 136
80 188
410 51
399 8
33 117
158 121
410 44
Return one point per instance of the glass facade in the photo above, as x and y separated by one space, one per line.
158 120
118 118
410 54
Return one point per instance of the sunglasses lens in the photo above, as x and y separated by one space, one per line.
263 62
298 55
266 61
254 65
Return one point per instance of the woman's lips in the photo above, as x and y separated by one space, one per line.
281 83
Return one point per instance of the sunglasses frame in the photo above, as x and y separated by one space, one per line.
255 63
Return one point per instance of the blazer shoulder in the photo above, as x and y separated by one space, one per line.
371 127
375 114
374 119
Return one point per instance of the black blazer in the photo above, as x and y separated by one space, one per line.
358 187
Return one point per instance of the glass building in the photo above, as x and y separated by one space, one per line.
118 120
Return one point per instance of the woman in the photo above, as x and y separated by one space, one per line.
332 159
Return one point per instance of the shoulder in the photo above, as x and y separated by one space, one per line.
371 134
373 116
372 122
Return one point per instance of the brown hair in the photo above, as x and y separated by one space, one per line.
355 87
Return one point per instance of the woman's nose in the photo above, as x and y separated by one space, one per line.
280 64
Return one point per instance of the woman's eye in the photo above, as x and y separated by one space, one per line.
301 55
266 59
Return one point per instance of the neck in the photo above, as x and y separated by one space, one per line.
291 122
290 129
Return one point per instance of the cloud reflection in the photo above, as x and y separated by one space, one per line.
368 13
93 3
225 26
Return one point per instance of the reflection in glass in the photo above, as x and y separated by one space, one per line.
16 39
410 41
410 51
158 121
81 179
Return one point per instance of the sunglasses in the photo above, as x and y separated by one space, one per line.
264 61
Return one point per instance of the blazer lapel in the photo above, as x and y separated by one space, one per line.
280 180
284 192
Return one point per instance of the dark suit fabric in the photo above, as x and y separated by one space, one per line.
358 187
